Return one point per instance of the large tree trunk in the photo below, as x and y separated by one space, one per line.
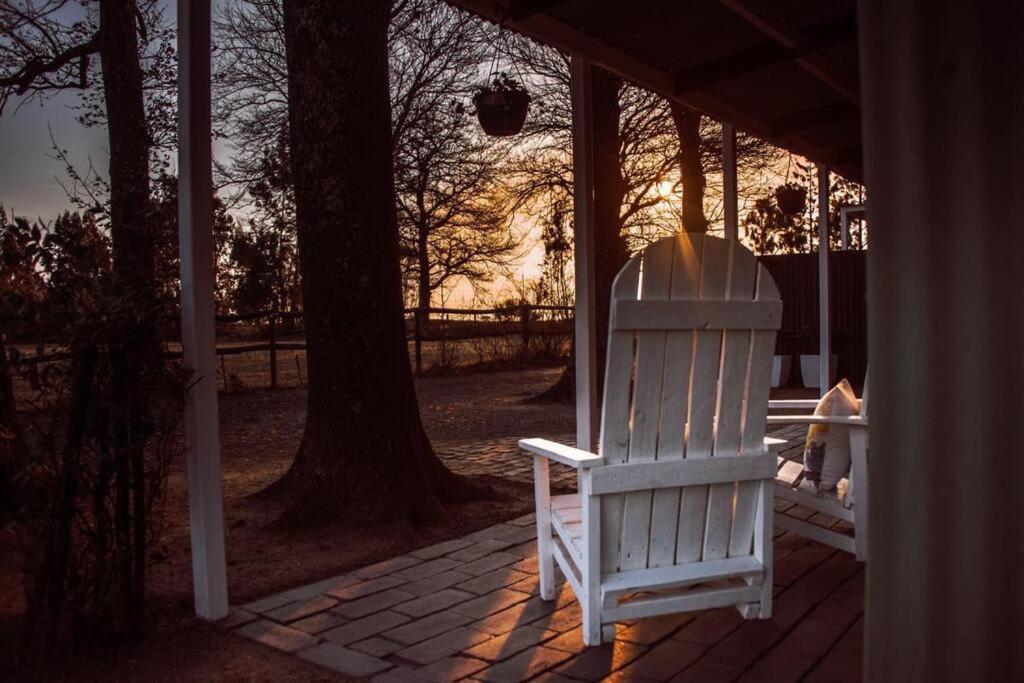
136 348
691 173
364 455
610 250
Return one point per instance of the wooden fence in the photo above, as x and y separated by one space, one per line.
795 274
422 324
522 320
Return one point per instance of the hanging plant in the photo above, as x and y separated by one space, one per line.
791 198
501 106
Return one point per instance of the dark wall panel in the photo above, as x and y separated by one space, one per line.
797 278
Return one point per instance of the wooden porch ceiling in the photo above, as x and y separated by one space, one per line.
785 71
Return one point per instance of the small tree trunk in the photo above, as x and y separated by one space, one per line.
11 459
136 350
422 263
691 172
364 454
422 318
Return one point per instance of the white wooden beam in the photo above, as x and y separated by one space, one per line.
583 225
824 327
730 193
195 227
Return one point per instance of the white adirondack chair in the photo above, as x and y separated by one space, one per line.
835 503
674 513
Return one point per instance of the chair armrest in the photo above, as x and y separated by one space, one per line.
848 420
567 455
793 404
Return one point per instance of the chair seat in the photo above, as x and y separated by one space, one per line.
829 502
567 519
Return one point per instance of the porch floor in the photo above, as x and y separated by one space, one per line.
468 608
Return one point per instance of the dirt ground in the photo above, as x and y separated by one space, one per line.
259 434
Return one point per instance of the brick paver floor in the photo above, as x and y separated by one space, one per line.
469 609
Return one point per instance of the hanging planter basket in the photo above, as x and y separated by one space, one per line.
501 106
791 198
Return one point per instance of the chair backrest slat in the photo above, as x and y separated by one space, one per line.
755 410
675 404
703 393
732 383
674 392
655 284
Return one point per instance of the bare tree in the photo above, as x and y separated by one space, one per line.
454 215
454 221
44 47
542 165
699 144
691 170
653 162
250 85
364 454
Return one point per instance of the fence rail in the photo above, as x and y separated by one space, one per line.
522 321
795 274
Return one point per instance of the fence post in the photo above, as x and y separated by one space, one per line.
273 349
417 317
524 316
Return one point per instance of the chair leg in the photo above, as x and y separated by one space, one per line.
859 474
546 570
545 555
591 570
765 611
764 546
592 630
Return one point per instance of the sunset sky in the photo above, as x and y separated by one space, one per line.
31 177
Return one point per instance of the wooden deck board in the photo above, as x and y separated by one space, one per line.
508 633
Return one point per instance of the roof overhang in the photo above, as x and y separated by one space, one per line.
784 71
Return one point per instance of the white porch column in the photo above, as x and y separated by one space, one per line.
583 224
824 323
195 227
944 151
730 194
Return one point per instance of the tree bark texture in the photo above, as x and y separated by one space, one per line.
135 350
364 454
691 172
